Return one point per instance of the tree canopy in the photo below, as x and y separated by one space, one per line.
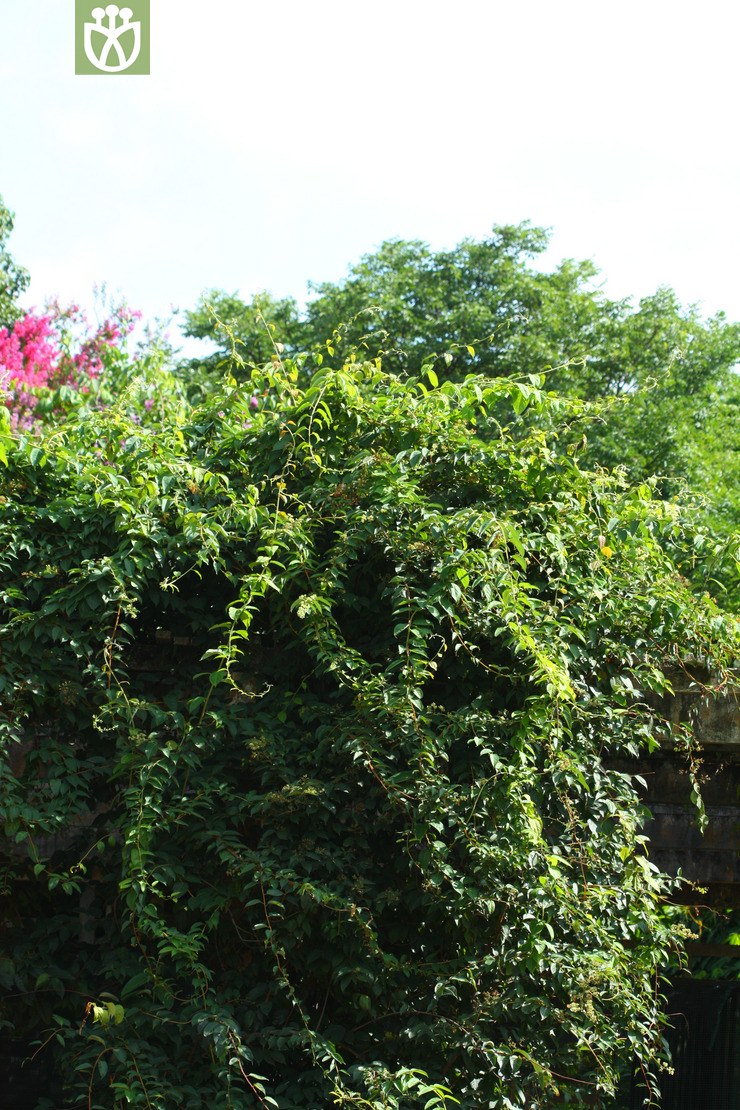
308 699
13 278
490 307
408 302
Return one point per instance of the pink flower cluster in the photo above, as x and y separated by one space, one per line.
58 348
29 355
29 360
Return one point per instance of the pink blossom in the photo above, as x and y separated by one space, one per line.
55 349
29 354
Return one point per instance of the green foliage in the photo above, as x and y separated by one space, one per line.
715 927
13 278
134 381
712 449
306 714
409 303
667 372
255 329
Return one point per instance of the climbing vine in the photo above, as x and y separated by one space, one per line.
308 702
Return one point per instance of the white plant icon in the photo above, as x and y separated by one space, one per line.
111 32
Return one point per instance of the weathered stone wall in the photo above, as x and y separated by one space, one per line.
711 860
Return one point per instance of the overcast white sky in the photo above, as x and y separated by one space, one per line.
277 142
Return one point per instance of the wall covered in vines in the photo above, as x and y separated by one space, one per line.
307 700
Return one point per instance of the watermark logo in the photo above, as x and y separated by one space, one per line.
112 39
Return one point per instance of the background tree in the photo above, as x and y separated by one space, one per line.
249 330
409 302
13 278
307 740
666 375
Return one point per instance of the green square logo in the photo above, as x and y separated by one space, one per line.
112 39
